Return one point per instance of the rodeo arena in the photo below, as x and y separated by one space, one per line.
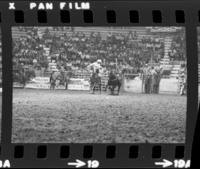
99 84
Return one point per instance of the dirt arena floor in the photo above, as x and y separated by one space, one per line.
59 116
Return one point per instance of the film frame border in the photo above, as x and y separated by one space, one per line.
168 12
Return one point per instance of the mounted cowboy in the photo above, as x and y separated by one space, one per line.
96 72
95 65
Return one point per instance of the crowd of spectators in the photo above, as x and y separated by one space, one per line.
73 49
178 48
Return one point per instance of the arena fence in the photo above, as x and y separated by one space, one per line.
86 75
130 82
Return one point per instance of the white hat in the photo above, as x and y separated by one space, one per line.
99 60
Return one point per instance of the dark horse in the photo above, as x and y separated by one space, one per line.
95 82
114 82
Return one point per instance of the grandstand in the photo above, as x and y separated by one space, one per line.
175 70
73 48
19 34
167 48
141 31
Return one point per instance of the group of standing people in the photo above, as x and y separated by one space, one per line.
151 77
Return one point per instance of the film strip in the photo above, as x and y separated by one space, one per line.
99 84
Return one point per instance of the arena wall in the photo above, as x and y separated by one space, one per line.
166 85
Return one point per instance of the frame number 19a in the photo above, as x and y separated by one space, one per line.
181 163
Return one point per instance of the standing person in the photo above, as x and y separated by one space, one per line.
52 81
158 78
66 80
184 82
182 79
92 78
23 77
144 79
153 80
147 80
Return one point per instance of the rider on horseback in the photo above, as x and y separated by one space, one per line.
95 79
94 66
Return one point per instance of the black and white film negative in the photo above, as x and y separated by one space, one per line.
99 84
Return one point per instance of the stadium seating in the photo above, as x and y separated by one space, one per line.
73 48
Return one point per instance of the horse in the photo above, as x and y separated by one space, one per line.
113 82
58 78
64 79
95 82
53 80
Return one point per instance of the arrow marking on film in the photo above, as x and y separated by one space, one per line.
77 164
165 163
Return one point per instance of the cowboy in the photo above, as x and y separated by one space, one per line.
52 80
96 65
23 77
153 80
143 76
159 76
182 79
146 79
184 82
